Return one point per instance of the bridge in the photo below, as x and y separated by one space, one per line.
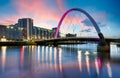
59 41
103 42
74 40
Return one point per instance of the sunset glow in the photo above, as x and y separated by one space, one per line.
47 13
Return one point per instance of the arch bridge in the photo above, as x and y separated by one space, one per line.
102 40
56 41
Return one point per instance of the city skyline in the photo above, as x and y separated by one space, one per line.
47 14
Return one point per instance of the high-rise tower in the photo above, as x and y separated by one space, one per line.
26 27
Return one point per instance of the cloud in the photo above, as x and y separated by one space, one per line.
8 20
35 8
100 16
60 5
40 11
101 25
87 22
86 30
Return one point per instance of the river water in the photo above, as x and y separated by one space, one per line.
66 61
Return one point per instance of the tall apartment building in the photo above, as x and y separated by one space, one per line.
26 27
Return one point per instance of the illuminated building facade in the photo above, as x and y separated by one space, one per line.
26 27
10 32
3 31
43 33
24 30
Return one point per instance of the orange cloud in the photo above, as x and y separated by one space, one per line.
42 11
8 20
38 10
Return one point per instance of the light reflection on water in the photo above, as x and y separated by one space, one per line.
3 57
73 61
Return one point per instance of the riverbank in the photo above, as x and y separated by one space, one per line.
17 43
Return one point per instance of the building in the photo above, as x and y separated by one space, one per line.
26 27
14 32
54 30
3 31
10 32
71 35
24 30
42 33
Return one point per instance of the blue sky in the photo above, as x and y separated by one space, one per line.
47 13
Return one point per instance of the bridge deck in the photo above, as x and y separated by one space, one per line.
57 41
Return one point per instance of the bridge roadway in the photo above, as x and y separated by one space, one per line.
58 41
73 40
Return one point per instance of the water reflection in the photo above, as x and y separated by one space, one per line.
87 62
97 65
3 48
50 55
80 60
109 69
21 56
38 53
58 62
60 59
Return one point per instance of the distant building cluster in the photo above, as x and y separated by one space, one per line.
71 35
24 30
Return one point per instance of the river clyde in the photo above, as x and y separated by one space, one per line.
66 61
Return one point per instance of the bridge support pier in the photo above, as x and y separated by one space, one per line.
103 46
55 44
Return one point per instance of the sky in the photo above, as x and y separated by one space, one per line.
47 13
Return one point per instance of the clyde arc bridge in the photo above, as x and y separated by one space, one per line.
77 40
68 40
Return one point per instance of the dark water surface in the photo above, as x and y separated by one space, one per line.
73 61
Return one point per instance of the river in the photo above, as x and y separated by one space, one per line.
66 61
